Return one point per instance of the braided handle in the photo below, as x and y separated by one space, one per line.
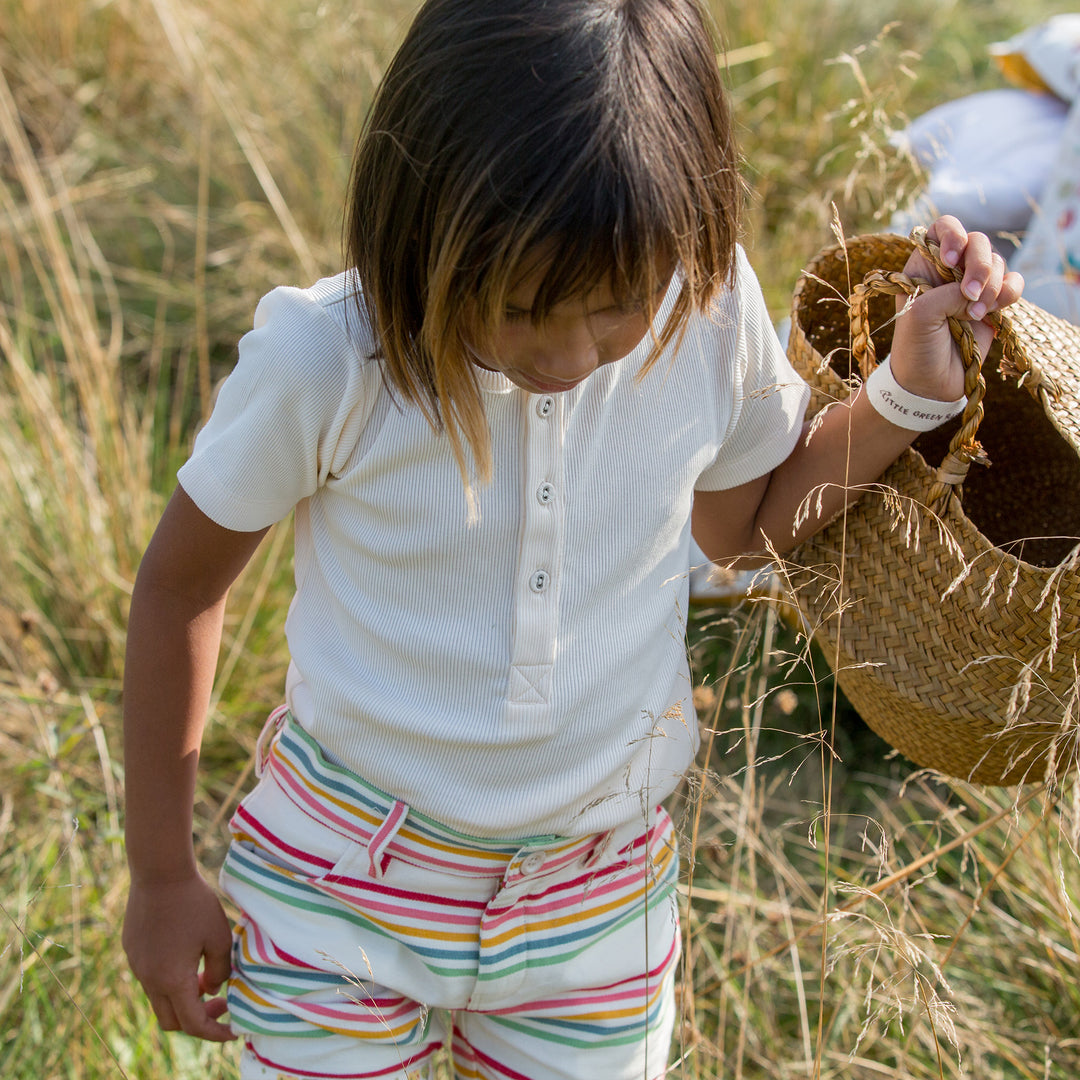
964 448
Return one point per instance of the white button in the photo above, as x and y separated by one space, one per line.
539 581
544 407
545 493
532 862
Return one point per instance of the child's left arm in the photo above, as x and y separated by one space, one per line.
854 443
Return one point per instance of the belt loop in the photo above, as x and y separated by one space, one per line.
603 842
274 723
378 860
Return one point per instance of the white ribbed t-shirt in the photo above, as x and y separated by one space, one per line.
526 674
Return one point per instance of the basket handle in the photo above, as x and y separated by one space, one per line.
964 448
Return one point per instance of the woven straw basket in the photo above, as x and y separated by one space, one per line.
954 626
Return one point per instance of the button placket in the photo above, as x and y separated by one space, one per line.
536 592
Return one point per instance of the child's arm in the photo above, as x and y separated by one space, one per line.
854 444
173 918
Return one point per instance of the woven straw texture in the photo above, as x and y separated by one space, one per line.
953 631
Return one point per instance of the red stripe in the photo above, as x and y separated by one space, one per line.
257 826
599 994
307 800
468 1052
391 1071
421 917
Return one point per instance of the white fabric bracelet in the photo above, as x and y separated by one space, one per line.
904 409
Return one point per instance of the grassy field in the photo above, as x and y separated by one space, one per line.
165 162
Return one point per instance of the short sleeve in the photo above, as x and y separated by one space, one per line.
770 398
276 430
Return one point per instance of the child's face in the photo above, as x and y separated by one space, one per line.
577 337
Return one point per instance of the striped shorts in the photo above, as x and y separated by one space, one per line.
371 935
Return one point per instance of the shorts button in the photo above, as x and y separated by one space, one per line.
532 862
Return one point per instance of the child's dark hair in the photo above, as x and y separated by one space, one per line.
589 136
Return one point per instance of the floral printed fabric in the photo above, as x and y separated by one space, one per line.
1049 258
1007 162
1047 58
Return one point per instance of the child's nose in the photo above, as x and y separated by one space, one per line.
571 354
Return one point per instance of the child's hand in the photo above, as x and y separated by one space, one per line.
925 359
168 929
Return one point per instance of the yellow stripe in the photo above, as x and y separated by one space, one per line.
352 810
608 1014
623 900
382 1032
468 1074
425 932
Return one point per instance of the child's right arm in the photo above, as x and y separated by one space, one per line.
173 918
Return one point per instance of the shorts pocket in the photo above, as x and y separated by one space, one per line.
269 822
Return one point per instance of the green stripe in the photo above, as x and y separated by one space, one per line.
273 888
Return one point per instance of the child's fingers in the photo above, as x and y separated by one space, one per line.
1000 288
1012 288
972 250
217 1008
952 238
165 1013
199 1018
996 296
217 966
979 272
169 929
987 284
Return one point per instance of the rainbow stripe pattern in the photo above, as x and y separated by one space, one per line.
371 934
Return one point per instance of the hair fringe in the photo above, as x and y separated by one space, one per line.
599 147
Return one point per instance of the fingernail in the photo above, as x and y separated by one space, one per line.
977 311
973 290
951 257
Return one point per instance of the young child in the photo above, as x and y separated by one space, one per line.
548 361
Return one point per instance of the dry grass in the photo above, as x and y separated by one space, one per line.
845 920
850 918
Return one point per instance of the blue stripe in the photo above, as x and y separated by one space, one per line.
588 933
279 885
248 1017
305 752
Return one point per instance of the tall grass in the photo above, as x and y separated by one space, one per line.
162 164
